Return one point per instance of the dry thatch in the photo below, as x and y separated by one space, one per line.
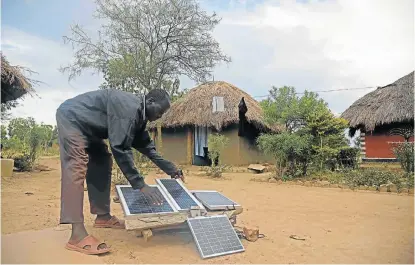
388 104
13 83
196 108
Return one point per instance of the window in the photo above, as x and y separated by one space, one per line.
218 104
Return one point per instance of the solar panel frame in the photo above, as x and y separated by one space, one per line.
127 210
199 204
217 254
216 207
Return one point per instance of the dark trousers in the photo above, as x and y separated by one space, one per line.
82 159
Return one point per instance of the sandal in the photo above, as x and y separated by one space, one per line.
114 222
93 244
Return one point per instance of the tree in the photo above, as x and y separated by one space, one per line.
25 140
313 133
148 44
287 148
3 133
20 129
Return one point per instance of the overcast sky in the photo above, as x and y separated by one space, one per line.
313 45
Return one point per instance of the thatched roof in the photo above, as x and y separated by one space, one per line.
388 104
13 83
196 108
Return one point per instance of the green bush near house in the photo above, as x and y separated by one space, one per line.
216 146
372 177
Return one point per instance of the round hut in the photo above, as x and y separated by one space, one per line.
208 108
383 116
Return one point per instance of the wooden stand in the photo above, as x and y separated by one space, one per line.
146 226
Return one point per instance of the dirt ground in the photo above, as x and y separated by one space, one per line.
339 226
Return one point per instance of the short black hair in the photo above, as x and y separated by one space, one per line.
158 95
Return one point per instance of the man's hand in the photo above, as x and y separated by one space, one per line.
178 175
152 194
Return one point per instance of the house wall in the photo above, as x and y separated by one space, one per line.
174 147
174 144
377 143
378 146
247 150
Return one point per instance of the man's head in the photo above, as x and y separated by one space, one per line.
157 103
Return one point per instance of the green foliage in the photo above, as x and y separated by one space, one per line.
334 177
404 152
26 140
348 157
148 44
289 149
371 177
216 145
410 180
313 134
216 171
3 133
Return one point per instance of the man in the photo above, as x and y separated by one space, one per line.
83 123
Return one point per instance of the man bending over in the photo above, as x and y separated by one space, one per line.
83 123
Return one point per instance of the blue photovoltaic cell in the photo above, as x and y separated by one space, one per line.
177 192
137 203
213 198
215 236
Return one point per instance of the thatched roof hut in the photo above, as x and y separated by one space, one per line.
393 103
206 109
196 108
14 84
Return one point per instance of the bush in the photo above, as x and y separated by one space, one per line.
409 180
348 157
291 151
216 171
404 152
371 177
216 145
24 159
24 162
328 175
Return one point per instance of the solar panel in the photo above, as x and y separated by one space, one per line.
135 202
214 200
181 197
214 236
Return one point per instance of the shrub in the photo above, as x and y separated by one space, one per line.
291 151
410 180
216 171
371 177
404 152
328 175
24 162
216 146
348 157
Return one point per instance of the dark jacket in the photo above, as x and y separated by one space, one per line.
119 117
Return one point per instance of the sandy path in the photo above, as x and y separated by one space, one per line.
340 226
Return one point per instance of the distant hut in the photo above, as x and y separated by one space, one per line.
212 107
384 116
14 84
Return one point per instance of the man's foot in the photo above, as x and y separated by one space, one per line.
108 221
82 242
89 245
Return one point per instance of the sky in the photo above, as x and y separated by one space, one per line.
309 44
